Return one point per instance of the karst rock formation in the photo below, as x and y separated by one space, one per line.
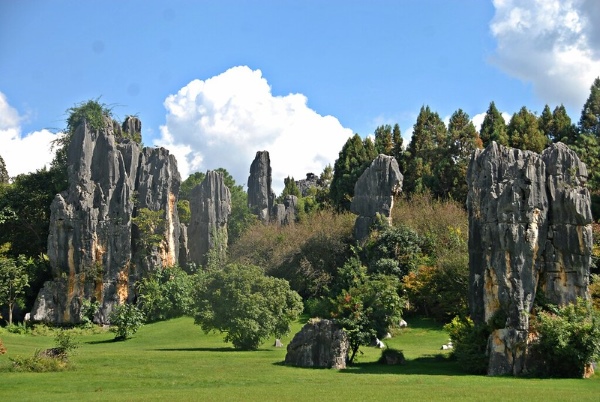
320 343
529 231
261 198
210 206
95 250
374 194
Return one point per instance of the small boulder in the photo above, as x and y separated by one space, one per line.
320 343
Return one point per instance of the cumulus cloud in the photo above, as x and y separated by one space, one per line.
224 120
554 44
22 154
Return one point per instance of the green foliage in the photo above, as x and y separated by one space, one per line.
392 356
394 251
166 293
4 177
368 310
425 152
567 340
150 228
493 127
49 360
384 143
125 320
245 304
353 159
589 123
13 281
87 311
469 344
290 188
184 212
524 133
186 187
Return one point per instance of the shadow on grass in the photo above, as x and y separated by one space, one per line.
222 349
113 340
426 365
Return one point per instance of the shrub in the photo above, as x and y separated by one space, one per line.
125 320
392 357
54 359
396 250
166 293
469 344
245 304
567 341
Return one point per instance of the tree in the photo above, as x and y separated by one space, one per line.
424 151
13 281
589 123
524 133
398 150
245 304
165 293
353 159
384 143
125 320
368 309
4 178
562 128
493 127
290 188
463 139
150 227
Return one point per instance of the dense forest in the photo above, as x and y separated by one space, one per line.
418 265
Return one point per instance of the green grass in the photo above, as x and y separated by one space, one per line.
175 361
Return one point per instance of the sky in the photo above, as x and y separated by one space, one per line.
215 82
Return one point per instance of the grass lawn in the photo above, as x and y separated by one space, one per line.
175 361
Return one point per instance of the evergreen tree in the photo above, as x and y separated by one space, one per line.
590 115
424 151
290 188
353 159
562 128
493 127
384 143
398 150
524 133
4 178
463 139
546 122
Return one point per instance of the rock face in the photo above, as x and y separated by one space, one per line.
260 195
261 199
93 246
374 194
210 206
529 230
320 343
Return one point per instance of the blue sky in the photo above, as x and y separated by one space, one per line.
215 82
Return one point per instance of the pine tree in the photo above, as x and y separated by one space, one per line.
384 143
424 151
398 150
493 127
546 122
590 115
524 133
563 129
353 159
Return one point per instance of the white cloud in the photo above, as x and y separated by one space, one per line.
224 120
22 154
554 44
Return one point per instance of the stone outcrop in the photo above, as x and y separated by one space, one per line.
210 206
374 194
529 231
261 198
94 247
320 343
311 182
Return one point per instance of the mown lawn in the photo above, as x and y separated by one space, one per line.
175 361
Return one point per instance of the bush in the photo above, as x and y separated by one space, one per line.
567 340
245 304
125 320
165 294
54 359
396 250
392 357
469 344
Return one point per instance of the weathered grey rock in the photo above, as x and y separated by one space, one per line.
374 194
285 214
568 253
526 215
260 194
91 246
210 206
311 182
320 343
